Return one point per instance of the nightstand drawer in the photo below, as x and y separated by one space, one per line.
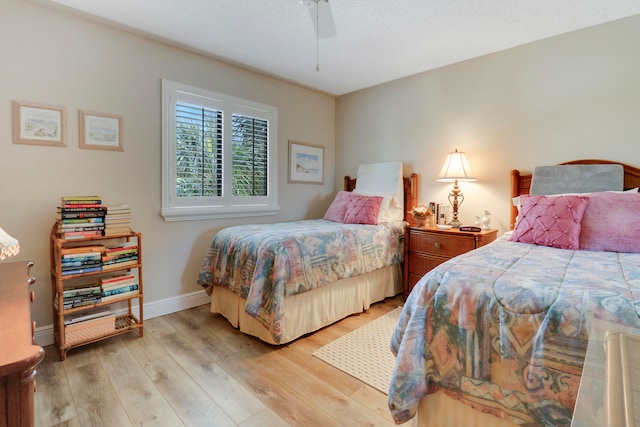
420 264
440 244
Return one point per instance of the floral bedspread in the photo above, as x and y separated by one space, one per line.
505 328
264 263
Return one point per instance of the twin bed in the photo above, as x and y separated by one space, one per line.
504 329
280 281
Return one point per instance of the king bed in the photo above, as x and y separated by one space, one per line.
280 281
497 336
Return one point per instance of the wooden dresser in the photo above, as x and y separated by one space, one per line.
428 247
19 356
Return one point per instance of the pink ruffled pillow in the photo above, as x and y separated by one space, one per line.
550 221
610 223
338 207
363 210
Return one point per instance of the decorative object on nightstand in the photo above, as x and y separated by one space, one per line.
422 215
456 168
486 220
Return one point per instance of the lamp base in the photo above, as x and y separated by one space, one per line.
455 223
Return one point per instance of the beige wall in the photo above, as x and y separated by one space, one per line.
52 57
574 96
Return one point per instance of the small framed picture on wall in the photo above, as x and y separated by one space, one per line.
306 163
39 124
100 131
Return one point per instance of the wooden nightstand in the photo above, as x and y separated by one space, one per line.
425 248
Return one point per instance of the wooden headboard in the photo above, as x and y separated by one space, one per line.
410 193
521 183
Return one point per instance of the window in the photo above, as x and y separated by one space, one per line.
218 153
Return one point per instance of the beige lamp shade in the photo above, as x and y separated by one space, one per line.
8 245
456 167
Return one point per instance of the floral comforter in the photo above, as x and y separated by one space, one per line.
265 263
505 328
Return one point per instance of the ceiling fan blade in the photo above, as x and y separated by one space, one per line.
321 16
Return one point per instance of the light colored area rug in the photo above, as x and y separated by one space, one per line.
365 353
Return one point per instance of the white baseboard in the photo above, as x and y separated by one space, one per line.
44 334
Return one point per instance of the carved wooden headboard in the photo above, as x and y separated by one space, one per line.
410 193
521 183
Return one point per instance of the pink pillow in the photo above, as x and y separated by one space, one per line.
363 210
550 221
338 207
611 223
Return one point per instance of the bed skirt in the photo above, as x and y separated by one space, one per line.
440 410
310 311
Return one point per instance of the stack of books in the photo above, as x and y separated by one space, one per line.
119 286
81 295
81 259
80 217
117 220
120 255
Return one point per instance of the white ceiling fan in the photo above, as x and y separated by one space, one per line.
321 16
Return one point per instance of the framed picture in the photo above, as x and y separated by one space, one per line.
100 131
39 124
306 163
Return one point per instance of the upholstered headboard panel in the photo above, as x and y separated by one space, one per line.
576 179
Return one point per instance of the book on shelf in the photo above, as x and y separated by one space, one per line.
89 256
80 200
120 246
116 279
78 214
82 270
81 290
80 228
82 249
116 231
70 265
84 222
81 301
91 313
93 209
70 235
119 265
124 283
67 305
121 295
120 290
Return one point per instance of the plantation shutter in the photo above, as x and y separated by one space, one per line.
250 146
198 151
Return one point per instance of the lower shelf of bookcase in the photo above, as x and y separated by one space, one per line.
123 324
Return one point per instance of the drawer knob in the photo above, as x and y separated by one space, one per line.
32 296
436 245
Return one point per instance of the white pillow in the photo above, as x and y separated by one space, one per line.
381 179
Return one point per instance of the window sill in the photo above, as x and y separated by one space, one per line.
200 213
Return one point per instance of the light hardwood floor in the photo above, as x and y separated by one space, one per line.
192 368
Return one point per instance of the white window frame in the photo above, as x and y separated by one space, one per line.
227 206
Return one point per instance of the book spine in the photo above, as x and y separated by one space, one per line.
76 209
122 295
86 220
82 270
116 291
116 279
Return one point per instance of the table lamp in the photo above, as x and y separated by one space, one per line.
8 245
456 168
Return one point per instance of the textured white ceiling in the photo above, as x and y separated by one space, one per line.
376 40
